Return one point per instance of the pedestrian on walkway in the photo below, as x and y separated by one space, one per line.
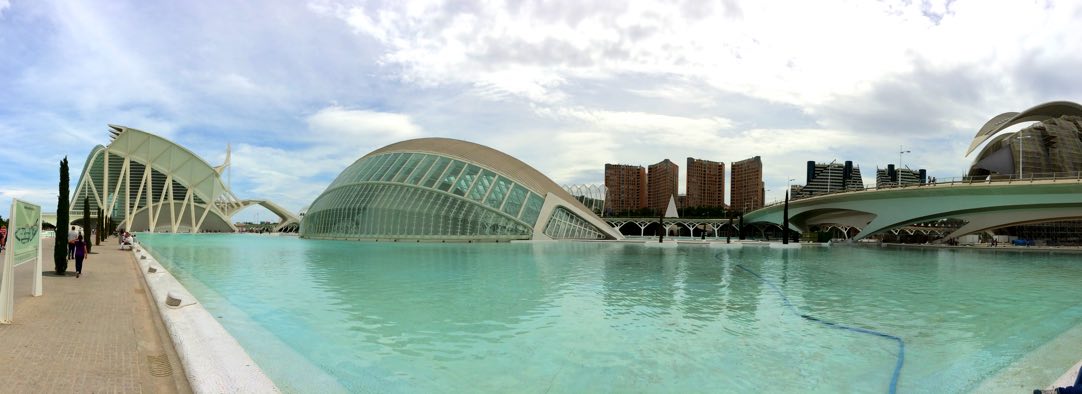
71 242
80 254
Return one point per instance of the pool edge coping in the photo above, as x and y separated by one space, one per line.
213 360
1068 378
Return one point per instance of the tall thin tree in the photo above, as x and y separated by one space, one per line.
785 221
86 223
60 249
101 228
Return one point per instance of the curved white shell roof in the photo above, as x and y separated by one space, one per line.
1040 112
485 156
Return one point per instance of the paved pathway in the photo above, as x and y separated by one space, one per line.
97 333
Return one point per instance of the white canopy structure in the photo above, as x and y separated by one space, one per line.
147 183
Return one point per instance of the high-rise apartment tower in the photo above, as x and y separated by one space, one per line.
625 188
705 183
895 177
663 184
833 177
747 191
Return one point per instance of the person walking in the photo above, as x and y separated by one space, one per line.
71 242
80 254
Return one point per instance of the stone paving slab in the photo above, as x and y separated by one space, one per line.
97 333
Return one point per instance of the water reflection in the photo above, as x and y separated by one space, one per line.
422 291
691 287
619 317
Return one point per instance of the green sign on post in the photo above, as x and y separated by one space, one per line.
24 231
24 244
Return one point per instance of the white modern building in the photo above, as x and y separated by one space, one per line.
143 182
440 189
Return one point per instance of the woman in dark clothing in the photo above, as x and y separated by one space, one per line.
80 255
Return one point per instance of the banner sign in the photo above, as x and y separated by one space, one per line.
23 244
24 231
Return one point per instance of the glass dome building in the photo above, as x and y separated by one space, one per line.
441 189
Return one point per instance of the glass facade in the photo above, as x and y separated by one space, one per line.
566 225
404 195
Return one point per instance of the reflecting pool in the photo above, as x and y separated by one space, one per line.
324 316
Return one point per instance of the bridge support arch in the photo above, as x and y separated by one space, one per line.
982 205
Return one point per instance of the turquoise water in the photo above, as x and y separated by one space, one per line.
602 317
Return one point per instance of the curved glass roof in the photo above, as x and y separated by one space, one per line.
416 195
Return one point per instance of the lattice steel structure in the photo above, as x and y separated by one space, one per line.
447 190
144 182
592 196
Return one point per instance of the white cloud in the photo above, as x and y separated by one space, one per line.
139 119
565 85
291 178
344 125
336 138
807 55
46 198
649 128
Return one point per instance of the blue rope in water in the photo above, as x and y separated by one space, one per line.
901 343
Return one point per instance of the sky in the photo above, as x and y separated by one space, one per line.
301 89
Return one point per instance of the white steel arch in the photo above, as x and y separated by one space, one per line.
147 183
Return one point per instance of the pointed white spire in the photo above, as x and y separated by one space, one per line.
670 212
224 165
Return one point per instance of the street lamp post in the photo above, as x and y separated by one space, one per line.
830 170
901 150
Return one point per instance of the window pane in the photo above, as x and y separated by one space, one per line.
514 200
499 191
435 172
481 188
449 177
384 167
397 165
357 172
466 179
411 163
373 165
421 170
532 208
